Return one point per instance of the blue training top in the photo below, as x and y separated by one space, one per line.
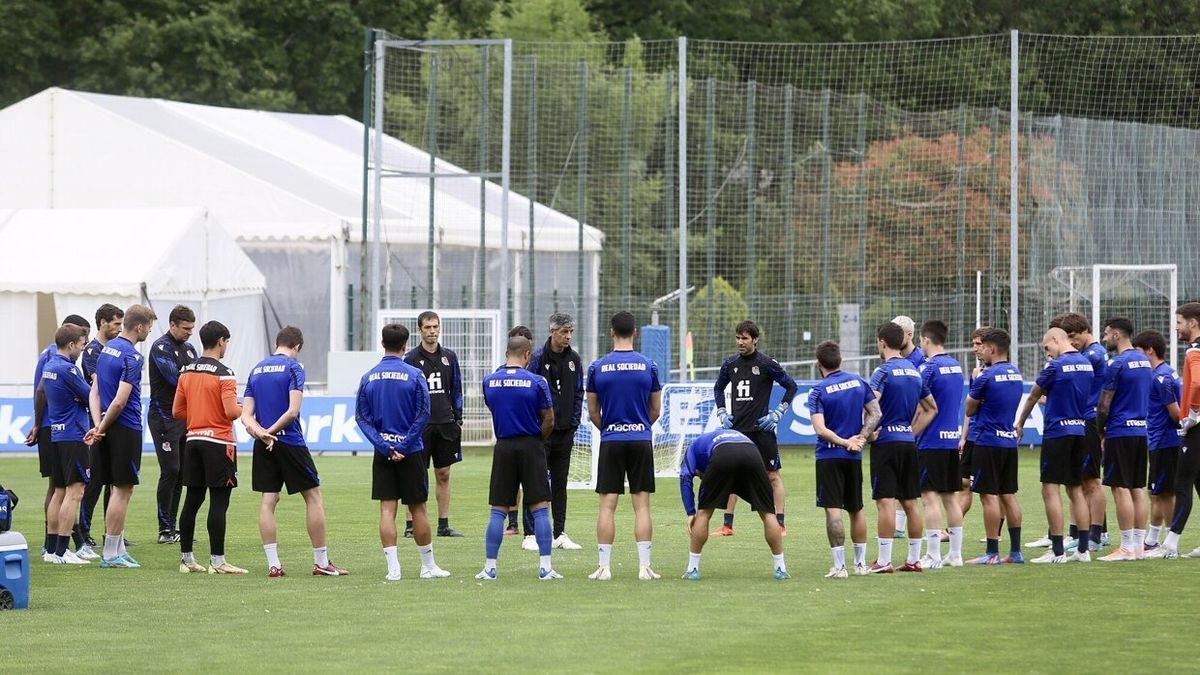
696 459
392 407
900 390
516 398
270 384
66 399
998 389
1098 357
1162 431
1129 376
119 362
1067 381
623 381
840 397
943 377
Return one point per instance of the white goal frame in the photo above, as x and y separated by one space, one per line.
1095 272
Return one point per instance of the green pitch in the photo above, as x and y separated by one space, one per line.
738 618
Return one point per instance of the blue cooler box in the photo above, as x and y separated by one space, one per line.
14 571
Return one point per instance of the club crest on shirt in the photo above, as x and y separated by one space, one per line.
755 370
162 348
571 365
735 370
445 361
166 446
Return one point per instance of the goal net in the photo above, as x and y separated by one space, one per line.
1145 294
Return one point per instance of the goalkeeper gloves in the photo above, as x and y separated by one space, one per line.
769 421
725 418
1190 421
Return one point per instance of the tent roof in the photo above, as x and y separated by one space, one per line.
267 175
177 253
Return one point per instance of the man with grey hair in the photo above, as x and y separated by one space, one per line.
910 351
563 369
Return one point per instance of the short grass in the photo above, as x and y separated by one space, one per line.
737 619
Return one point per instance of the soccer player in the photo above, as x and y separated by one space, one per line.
1162 433
66 396
937 447
970 432
529 543
522 418
392 408
1066 382
1079 330
728 462
844 414
563 369
1121 412
912 352
206 401
624 400
116 407
1187 476
993 400
108 326
271 414
443 434
168 355
907 408
752 375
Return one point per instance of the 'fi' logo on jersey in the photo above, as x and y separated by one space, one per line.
445 361
755 370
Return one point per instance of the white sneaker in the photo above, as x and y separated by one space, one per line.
860 570
529 543
1194 553
952 561
1159 551
548 575
433 572
837 573
564 542
647 574
929 563
51 558
487 574
1044 542
1080 557
71 559
393 576
87 553
602 573
1045 558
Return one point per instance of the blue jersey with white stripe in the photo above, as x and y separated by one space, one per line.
1128 377
271 384
516 398
1067 381
998 390
840 398
900 390
392 407
1098 357
119 362
943 377
1161 430
623 381
696 459
66 399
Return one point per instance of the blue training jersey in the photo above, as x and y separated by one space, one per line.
998 390
1067 381
1129 376
623 381
1098 356
88 360
42 360
119 362
916 357
943 377
516 398
840 398
1161 430
270 384
392 407
900 390
66 399
696 458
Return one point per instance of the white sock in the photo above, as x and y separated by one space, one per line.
1127 540
1152 535
643 553
272 551
321 555
693 561
426 552
933 544
956 540
216 560
112 546
393 562
901 520
544 562
914 551
489 565
860 554
777 560
189 558
1172 541
1139 538
885 551
839 556
121 543
605 554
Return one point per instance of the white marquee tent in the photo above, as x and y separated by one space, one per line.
70 261
288 187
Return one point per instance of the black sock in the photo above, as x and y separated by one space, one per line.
60 544
1104 525
408 524
512 520
1056 543
48 542
1082 545
443 523
77 535
218 504
1014 535
1094 533
993 546
779 517
1074 531
728 520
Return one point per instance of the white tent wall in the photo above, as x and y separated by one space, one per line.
19 311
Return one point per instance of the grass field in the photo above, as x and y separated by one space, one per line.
1131 616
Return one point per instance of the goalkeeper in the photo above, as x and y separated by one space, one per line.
752 375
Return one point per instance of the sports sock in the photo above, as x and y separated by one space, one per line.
1014 539
426 553
218 505
885 551
1056 544
121 543
914 551
1094 533
993 546
443 523
494 534
1127 540
393 562
1139 539
544 562
1172 540
605 554
77 536
408 525
956 540
1104 524
1152 535
933 544
489 565
1074 531
217 560
728 520
48 539
321 555
542 530
60 544
643 553
112 546
189 558
779 519
839 556
777 560
512 520
1081 545
901 520
272 551
860 554
693 561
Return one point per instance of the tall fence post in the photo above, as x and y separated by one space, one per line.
581 192
377 218
669 178
683 210
751 198
531 147
1014 259
789 283
505 183
481 281
431 275
826 208
627 183
716 307
862 205
962 199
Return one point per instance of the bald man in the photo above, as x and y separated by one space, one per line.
1066 382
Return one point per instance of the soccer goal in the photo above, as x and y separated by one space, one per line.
1146 294
687 411
475 335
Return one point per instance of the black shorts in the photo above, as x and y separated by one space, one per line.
625 459
1091 451
406 480
72 464
839 484
768 447
45 446
995 470
120 456
1125 462
283 464
736 469
1063 459
209 464
894 471
519 463
443 444
966 461
938 471
1163 462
